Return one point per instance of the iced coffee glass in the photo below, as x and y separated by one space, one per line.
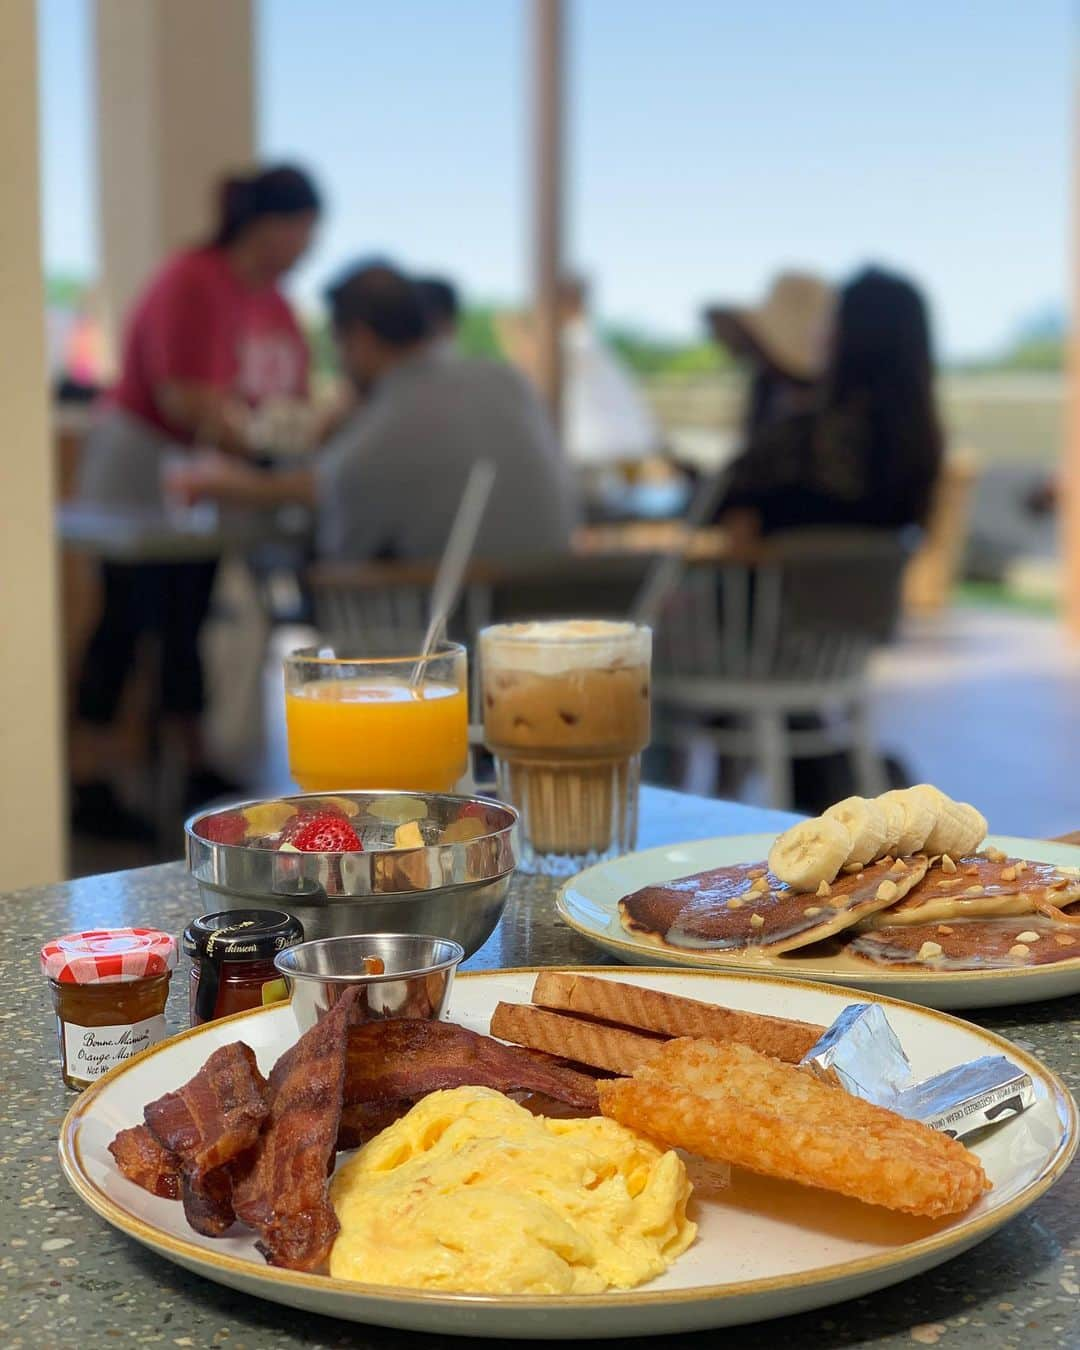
566 715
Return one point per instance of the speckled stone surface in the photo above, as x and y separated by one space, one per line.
68 1279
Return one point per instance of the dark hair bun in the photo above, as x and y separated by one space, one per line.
280 191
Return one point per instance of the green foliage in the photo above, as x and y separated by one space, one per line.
654 356
63 291
476 333
321 341
1047 353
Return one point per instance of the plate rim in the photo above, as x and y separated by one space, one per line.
704 961
186 1251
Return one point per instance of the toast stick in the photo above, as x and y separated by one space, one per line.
601 1047
651 1010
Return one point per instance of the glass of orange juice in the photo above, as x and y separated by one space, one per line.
357 720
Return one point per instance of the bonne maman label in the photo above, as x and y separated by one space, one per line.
92 1051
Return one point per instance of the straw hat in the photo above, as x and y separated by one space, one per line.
789 327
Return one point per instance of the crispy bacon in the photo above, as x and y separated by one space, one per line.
207 1198
209 1124
146 1162
393 1064
284 1195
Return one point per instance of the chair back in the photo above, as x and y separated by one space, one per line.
809 608
351 599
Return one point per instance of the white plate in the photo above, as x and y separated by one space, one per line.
589 903
765 1248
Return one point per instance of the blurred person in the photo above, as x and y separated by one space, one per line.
209 340
867 455
606 419
783 343
387 484
440 298
870 452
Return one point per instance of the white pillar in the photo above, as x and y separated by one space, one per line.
175 111
547 225
32 829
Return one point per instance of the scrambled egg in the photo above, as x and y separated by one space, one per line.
472 1192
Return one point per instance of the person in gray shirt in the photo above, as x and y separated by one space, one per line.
387 484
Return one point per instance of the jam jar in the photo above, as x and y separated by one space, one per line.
232 960
109 987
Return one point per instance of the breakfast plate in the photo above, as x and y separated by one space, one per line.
589 903
764 1248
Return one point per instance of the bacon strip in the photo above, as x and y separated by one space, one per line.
393 1064
284 1195
144 1161
209 1124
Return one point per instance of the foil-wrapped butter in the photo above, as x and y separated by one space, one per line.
862 1053
969 1097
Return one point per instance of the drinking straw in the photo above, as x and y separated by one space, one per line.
664 572
455 558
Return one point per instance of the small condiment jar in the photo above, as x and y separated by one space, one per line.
232 960
109 987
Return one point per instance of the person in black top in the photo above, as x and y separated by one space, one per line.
869 454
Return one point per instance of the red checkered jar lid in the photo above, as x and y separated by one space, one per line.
108 956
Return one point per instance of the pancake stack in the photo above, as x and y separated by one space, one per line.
898 880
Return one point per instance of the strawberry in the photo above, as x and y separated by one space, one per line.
327 832
229 827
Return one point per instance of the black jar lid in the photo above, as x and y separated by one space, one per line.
242 935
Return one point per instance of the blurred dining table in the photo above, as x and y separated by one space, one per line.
708 544
136 535
69 1280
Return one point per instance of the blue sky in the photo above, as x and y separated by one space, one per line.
711 142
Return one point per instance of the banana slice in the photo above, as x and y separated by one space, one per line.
811 852
953 827
971 832
920 816
867 824
892 808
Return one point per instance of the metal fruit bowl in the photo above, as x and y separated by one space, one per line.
449 887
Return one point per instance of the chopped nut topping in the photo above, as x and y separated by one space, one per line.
761 884
1063 940
887 860
888 890
995 855
952 881
947 864
756 921
1022 866
824 889
1019 950
849 869
1008 874
813 909
1027 937
971 871
929 950
974 890
944 928
899 867
756 872
735 902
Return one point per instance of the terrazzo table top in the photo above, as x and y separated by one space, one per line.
68 1279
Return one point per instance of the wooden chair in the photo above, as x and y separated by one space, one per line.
767 659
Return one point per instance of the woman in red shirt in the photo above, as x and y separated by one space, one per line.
209 340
